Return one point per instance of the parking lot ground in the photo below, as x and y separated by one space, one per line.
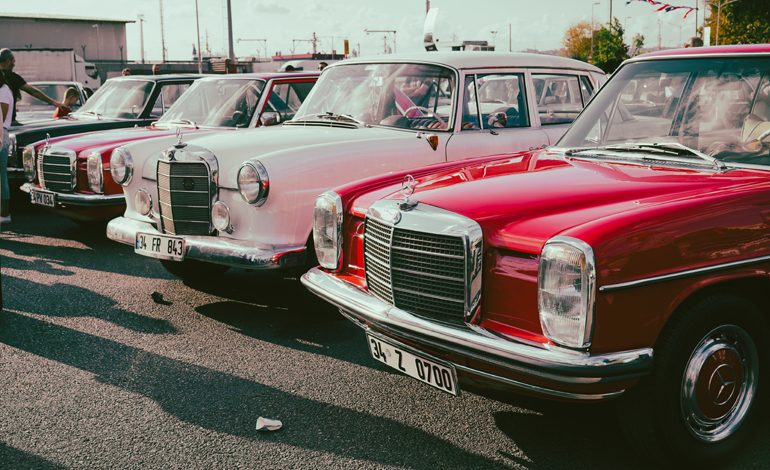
94 373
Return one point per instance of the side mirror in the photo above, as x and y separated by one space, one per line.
269 118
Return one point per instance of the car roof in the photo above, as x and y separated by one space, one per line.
480 59
711 50
263 75
54 82
159 78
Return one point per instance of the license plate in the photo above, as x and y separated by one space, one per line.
425 370
42 198
159 246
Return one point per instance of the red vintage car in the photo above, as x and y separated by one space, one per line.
71 174
630 262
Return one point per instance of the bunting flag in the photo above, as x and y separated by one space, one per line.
667 7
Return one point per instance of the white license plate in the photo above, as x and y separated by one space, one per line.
42 198
159 246
425 370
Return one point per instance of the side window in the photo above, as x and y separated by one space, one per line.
586 89
167 96
559 98
286 98
495 101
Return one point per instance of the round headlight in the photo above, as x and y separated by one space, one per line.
220 217
121 166
143 202
94 167
253 183
28 161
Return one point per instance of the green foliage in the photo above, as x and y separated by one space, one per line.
742 22
609 48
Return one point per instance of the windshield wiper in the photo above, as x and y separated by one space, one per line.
340 117
678 151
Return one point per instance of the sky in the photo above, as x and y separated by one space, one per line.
534 24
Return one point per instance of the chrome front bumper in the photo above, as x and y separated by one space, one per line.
554 365
86 200
217 250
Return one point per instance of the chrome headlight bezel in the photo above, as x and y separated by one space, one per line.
561 258
220 217
253 183
327 230
121 166
28 162
12 144
95 172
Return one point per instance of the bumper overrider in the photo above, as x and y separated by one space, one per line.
217 250
483 355
83 200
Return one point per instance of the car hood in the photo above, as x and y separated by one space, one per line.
525 199
284 144
109 138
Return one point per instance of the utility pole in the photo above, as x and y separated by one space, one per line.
591 54
510 41
198 37
256 40
427 6
697 4
295 41
386 31
610 14
162 33
141 35
660 39
230 50
98 42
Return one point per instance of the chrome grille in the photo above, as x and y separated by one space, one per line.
422 273
184 193
57 170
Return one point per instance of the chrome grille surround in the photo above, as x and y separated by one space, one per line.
426 260
57 169
187 188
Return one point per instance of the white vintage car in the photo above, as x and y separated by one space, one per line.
246 199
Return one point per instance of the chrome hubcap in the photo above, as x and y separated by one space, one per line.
719 383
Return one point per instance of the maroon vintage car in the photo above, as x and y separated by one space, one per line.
631 261
71 174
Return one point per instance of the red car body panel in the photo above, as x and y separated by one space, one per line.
641 222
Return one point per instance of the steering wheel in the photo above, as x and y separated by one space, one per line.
427 112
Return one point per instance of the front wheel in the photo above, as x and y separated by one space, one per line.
194 271
701 400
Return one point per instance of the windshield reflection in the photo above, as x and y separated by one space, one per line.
216 103
124 99
408 96
720 107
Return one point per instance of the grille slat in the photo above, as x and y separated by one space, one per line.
422 273
184 193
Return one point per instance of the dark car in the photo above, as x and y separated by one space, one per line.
120 102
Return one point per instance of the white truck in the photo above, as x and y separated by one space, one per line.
56 65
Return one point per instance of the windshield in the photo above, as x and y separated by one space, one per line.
718 107
119 99
54 90
216 103
408 96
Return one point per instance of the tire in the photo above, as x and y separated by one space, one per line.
702 399
191 271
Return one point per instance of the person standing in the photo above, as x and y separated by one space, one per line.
6 110
17 84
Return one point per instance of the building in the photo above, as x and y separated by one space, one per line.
95 39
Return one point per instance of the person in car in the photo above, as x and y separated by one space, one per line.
70 99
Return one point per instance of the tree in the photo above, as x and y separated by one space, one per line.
577 41
609 49
742 22
636 44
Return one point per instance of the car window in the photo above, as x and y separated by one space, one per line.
559 98
494 101
286 98
169 93
586 89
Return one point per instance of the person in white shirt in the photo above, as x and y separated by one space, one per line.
6 113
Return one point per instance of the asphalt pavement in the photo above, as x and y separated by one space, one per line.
96 372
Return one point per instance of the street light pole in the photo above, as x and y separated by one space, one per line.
141 35
98 42
162 34
393 31
198 37
591 54
230 51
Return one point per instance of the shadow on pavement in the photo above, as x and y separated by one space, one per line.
11 457
64 300
232 404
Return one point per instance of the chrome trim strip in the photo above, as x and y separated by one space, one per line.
552 359
682 274
76 199
211 249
